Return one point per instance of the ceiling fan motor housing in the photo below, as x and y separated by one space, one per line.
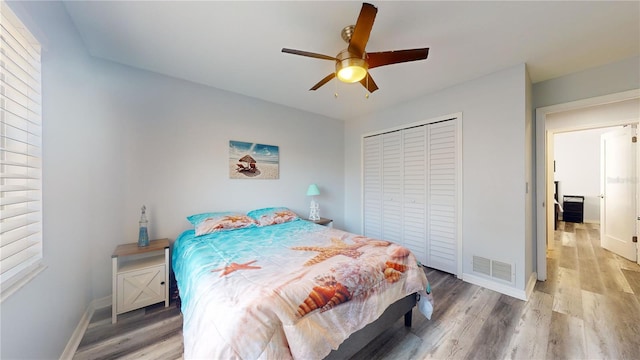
347 32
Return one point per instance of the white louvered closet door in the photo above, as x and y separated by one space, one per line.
372 186
392 159
414 191
411 191
442 247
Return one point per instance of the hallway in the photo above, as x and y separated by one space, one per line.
596 297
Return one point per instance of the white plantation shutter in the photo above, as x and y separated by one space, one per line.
20 153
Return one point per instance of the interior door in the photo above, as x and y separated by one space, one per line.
618 185
392 159
372 186
414 205
637 164
442 192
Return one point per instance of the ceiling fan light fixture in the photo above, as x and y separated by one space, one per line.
351 70
353 63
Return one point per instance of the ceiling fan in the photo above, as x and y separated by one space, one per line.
353 63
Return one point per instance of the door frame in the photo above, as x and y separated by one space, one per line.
544 163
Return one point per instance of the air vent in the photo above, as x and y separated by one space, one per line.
493 268
482 265
501 270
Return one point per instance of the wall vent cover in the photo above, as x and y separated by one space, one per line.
493 268
482 265
500 270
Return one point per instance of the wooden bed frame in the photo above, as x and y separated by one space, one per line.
359 339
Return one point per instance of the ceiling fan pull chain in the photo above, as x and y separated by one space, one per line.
335 94
366 94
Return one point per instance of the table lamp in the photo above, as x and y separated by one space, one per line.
313 191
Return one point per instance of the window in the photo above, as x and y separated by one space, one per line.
20 154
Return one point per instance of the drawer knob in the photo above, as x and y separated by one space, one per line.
162 283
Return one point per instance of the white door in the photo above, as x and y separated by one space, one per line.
414 207
411 191
372 186
442 192
392 158
618 185
637 164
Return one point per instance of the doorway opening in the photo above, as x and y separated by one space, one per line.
605 111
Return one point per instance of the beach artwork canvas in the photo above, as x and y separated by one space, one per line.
253 161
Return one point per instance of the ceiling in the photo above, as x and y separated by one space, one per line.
236 45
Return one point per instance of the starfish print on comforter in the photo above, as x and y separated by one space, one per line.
338 247
235 266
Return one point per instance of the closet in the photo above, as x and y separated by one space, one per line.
411 196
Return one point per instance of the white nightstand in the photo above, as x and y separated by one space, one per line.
140 276
324 221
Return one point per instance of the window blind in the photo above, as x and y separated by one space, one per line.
20 153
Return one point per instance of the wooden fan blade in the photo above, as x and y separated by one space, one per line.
361 32
323 81
309 54
369 84
393 57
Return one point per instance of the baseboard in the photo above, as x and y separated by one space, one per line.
531 284
102 302
491 285
78 333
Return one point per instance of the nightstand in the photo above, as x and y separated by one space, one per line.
324 221
140 276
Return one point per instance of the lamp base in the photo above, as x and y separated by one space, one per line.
314 213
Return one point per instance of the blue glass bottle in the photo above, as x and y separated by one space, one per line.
143 236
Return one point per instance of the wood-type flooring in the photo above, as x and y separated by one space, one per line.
589 308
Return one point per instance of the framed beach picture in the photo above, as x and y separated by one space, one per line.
253 161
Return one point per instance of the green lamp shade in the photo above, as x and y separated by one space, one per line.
313 190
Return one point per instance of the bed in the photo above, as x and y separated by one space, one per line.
269 285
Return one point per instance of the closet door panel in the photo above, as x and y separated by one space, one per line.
410 187
414 187
372 186
442 194
392 163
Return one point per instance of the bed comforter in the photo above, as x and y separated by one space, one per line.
293 290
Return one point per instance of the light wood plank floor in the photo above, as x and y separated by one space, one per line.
589 308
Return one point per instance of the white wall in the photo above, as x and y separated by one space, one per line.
603 80
177 156
577 157
79 156
493 131
116 138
